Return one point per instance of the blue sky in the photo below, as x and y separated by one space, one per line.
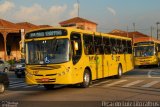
108 14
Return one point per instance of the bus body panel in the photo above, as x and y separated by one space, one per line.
152 60
99 65
148 53
129 62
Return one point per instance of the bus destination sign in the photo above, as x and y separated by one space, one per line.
46 33
143 43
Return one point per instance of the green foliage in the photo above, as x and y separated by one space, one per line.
11 62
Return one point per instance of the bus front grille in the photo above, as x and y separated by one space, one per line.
45 75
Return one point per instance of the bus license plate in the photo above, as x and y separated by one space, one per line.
45 79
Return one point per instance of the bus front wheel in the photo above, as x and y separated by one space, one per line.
120 71
86 79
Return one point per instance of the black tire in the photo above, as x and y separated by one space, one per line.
119 72
18 76
5 70
86 79
2 87
49 86
158 65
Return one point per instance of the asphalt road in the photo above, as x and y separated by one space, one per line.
137 85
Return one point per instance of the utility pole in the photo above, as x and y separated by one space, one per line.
134 26
133 32
78 8
152 28
127 31
157 30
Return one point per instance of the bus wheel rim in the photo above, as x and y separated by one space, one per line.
5 70
2 88
120 71
86 78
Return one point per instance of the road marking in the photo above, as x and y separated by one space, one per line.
17 82
96 84
132 83
14 84
150 84
20 85
150 76
31 86
135 77
114 83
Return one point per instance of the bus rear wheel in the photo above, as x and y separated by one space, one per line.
158 65
86 79
48 86
120 71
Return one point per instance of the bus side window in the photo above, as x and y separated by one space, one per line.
129 46
107 48
76 54
119 44
125 49
88 44
113 46
98 44
158 47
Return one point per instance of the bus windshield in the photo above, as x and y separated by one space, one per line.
142 51
48 51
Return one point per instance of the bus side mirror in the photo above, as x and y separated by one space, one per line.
75 46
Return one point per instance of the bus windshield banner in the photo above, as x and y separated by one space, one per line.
46 33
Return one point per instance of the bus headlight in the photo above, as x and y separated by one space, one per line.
64 72
29 74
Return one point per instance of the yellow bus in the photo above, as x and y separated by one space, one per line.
74 56
147 52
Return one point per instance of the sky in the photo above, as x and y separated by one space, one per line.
108 14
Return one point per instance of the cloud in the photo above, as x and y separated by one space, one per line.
74 12
111 10
6 6
38 15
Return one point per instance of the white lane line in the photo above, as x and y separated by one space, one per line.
20 85
96 84
150 76
114 83
132 83
30 86
15 82
16 85
150 84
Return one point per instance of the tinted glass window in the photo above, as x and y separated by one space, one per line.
107 48
88 44
98 45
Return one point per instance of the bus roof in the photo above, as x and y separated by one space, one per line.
145 39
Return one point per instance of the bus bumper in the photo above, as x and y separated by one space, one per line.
59 78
